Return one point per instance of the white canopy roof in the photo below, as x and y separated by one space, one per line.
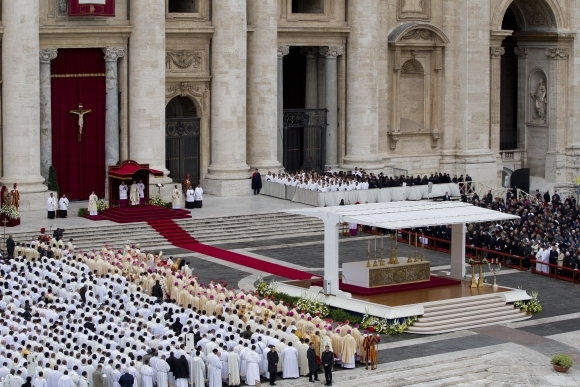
398 215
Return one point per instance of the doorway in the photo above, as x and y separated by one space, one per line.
182 138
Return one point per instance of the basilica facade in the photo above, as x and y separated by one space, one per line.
216 88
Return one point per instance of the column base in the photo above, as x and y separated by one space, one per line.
267 165
32 201
555 167
228 172
26 185
366 163
227 187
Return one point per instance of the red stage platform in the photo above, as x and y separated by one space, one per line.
140 214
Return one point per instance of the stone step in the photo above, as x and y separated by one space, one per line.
463 312
466 302
454 318
476 322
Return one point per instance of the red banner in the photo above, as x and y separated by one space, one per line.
91 8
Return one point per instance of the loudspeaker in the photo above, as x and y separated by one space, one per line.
326 286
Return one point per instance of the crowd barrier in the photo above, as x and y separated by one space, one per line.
377 195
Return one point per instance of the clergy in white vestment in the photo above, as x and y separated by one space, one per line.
189 197
290 366
134 194
302 358
64 381
63 206
115 375
53 377
253 368
147 374
123 191
141 192
233 368
348 344
17 381
539 256
546 259
176 198
51 206
40 381
214 369
93 199
198 196
83 381
181 372
162 369
197 371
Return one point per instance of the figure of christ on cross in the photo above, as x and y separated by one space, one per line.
80 113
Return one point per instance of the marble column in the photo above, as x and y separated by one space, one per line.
46 56
557 115
282 52
311 54
20 102
147 85
331 100
495 92
363 72
112 55
262 62
522 53
228 96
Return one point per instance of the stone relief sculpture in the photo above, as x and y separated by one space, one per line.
62 6
540 99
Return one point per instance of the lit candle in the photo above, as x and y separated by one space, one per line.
409 238
382 238
416 237
369 247
375 243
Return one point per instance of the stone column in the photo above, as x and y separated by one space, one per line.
331 99
436 112
46 56
495 92
282 52
147 85
363 72
20 102
311 54
522 53
262 109
112 55
557 111
228 96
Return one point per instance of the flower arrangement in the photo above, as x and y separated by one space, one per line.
11 212
102 205
313 305
264 289
385 326
157 201
531 306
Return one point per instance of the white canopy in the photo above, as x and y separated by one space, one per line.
399 215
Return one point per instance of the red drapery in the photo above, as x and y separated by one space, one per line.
76 9
78 77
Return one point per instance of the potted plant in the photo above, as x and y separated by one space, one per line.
562 362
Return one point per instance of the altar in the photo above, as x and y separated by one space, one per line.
358 274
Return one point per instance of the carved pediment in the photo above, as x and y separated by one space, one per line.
185 89
419 34
179 61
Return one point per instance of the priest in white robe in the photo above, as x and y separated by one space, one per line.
253 368
147 374
302 359
162 369
123 192
134 194
233 368
290 366
51 206
214 372
197 371
176 198
64 381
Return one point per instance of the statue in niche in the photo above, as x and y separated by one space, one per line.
540 98
62 6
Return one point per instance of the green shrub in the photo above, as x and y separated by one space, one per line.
52 182
82 212
562 360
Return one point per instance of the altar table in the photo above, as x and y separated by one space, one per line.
358 274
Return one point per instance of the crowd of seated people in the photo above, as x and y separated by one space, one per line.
358 179
75 319
549 229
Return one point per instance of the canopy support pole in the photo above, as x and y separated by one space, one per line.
458 251
331 261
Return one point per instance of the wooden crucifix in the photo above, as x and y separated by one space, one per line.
80 113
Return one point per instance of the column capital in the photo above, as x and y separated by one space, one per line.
112 54
557 53
521 52
331 51
309 52
496 52
47 55
283 51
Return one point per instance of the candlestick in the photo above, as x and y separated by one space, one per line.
369 247
375 242
382 238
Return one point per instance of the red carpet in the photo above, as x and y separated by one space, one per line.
180 238
433 283
140 214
